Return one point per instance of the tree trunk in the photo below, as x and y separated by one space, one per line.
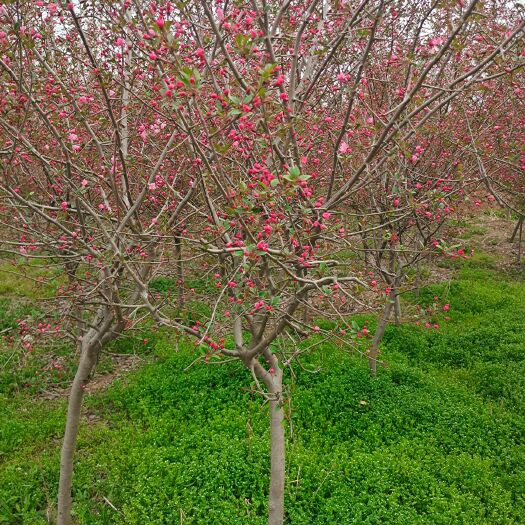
273 380
397 309
418 279
180 274
85 367
380 330
516 229
277 455
519 240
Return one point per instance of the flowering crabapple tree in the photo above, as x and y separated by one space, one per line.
419 190
86 170
241 135
498 142
300 110
431 169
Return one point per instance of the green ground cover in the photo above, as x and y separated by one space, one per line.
436 438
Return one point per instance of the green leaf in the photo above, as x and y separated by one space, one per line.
197 77
293 174
294 171
234 100
267 70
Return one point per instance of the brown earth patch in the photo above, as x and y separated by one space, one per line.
121 365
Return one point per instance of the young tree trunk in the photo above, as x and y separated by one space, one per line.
380 330
85 367
180 273
418 279
277 456
397 309
273 380
519 240
515 231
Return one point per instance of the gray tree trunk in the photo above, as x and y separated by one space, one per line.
85 367
516 229
519 240
180 273
397 309
274 383
277 456
380 330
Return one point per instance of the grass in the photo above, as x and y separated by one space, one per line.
436 438
30 278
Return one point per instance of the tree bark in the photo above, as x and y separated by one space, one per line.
516 229
418 278
180 273
519 240
273 380
380 330
397 309
85 367
277 456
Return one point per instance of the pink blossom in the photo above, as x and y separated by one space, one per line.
279 80
344 148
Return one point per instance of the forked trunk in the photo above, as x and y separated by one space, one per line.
85 367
